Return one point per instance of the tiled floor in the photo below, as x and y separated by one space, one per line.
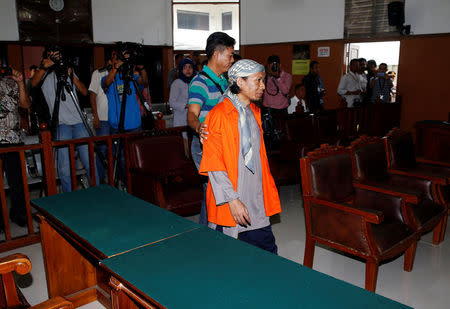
426 287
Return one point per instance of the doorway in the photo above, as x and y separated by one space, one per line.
382 52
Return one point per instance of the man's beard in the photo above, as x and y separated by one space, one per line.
258 102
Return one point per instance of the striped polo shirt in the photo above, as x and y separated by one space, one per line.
204 92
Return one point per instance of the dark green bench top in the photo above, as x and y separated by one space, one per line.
110 220
206 269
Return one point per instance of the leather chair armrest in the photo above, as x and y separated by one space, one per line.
433 162
54 303
407 197
370 215
19 263
436 179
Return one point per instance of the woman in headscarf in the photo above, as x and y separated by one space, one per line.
179 94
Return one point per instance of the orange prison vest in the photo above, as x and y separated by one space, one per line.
221 153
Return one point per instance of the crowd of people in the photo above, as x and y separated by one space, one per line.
230 103
365 83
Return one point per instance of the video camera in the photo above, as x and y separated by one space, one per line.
130 54
62 62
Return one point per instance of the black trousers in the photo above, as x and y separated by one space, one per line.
13 171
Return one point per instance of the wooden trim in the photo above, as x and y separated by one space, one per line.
437 180
19 263
72 163
92 163
126 288
433 162
48 161
26 192
83 247
19 242
83 297
109 143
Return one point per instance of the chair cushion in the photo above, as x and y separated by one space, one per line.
389 233
331 177
370 162
426 211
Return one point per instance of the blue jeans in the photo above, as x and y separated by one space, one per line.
67 132
105 129
197 153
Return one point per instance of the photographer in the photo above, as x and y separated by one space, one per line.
13 95
381 85
275 100
70 126
278 85
122 62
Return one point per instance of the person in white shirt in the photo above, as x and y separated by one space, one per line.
298 100
350 87
99 105
362 73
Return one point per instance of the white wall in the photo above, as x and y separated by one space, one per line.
147 21
426 17
8 21
272 21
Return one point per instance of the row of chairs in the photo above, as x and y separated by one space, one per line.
373 200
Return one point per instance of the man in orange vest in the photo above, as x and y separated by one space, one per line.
241 194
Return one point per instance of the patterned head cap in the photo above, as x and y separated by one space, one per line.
243 68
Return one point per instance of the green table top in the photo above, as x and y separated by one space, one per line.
112 221
206 269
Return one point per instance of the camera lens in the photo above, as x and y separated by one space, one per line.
275 67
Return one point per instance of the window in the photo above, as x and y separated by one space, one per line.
367 18
227 21
194 21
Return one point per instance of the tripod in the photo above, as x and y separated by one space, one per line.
61 85
128 77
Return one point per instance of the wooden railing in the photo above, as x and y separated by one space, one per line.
373 119
46 149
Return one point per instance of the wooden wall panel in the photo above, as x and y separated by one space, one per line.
15 59
330 67
424 79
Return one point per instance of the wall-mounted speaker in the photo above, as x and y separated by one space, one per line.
396 13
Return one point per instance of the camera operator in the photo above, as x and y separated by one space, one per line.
70 125
381 85
13 95
278 85
275 101
113 85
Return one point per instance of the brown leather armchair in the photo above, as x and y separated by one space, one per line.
11 296
360 222
161 174
401 160
370 172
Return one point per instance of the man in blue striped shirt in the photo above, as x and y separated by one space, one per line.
205 91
